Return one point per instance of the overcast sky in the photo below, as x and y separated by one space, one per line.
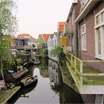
41 16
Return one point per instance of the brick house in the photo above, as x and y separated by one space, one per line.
72 28
91 32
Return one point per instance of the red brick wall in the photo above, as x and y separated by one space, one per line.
90 37
77 9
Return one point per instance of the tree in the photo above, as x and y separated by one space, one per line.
56 51
7 26
7 19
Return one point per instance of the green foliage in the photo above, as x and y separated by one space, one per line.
19 61
40 45
6 58
44 53
43 67
7 19
7 26
56 51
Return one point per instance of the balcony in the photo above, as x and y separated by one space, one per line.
25 47
87 79
68 29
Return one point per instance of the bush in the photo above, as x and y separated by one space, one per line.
56 51
19 61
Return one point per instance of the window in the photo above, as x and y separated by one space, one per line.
98 20
83 35
102 16
99 35
98 40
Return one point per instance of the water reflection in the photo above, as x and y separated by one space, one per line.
48 89
66 94
23 93
54 72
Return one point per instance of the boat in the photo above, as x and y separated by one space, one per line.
28 80
36 61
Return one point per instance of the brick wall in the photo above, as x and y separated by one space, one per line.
90 37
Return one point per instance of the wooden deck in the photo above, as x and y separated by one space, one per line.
5 95
19 73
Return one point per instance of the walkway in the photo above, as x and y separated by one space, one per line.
5 95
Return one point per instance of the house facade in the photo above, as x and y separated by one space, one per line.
51 43
45 38
60 28
25 43
91 32
71 28
42 39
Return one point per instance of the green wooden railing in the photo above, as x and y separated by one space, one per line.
84 74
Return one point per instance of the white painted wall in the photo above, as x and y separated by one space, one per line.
51 43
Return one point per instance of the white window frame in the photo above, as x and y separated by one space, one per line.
101 26
82 33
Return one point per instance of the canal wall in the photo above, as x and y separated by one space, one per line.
90 99
67 81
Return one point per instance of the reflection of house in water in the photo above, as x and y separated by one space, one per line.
53 71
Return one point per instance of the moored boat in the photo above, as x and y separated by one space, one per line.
36 61
29 80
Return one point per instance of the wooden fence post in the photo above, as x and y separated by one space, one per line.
81 71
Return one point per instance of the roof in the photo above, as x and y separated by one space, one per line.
24 36
51 36
12 43
61 26
88 7
45 37
55 33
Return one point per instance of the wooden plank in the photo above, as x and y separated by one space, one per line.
73 66
92 74
92 89
19 73
93 60
5 95
74 57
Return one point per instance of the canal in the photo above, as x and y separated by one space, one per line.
48 89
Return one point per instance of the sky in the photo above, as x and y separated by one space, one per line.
41 16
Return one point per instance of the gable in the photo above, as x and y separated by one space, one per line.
45 37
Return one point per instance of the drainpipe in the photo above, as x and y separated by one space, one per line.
74 35
79 53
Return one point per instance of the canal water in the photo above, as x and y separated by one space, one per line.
48 89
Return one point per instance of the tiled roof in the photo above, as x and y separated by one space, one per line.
24 36
45 37
12 43
61 26
51 36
